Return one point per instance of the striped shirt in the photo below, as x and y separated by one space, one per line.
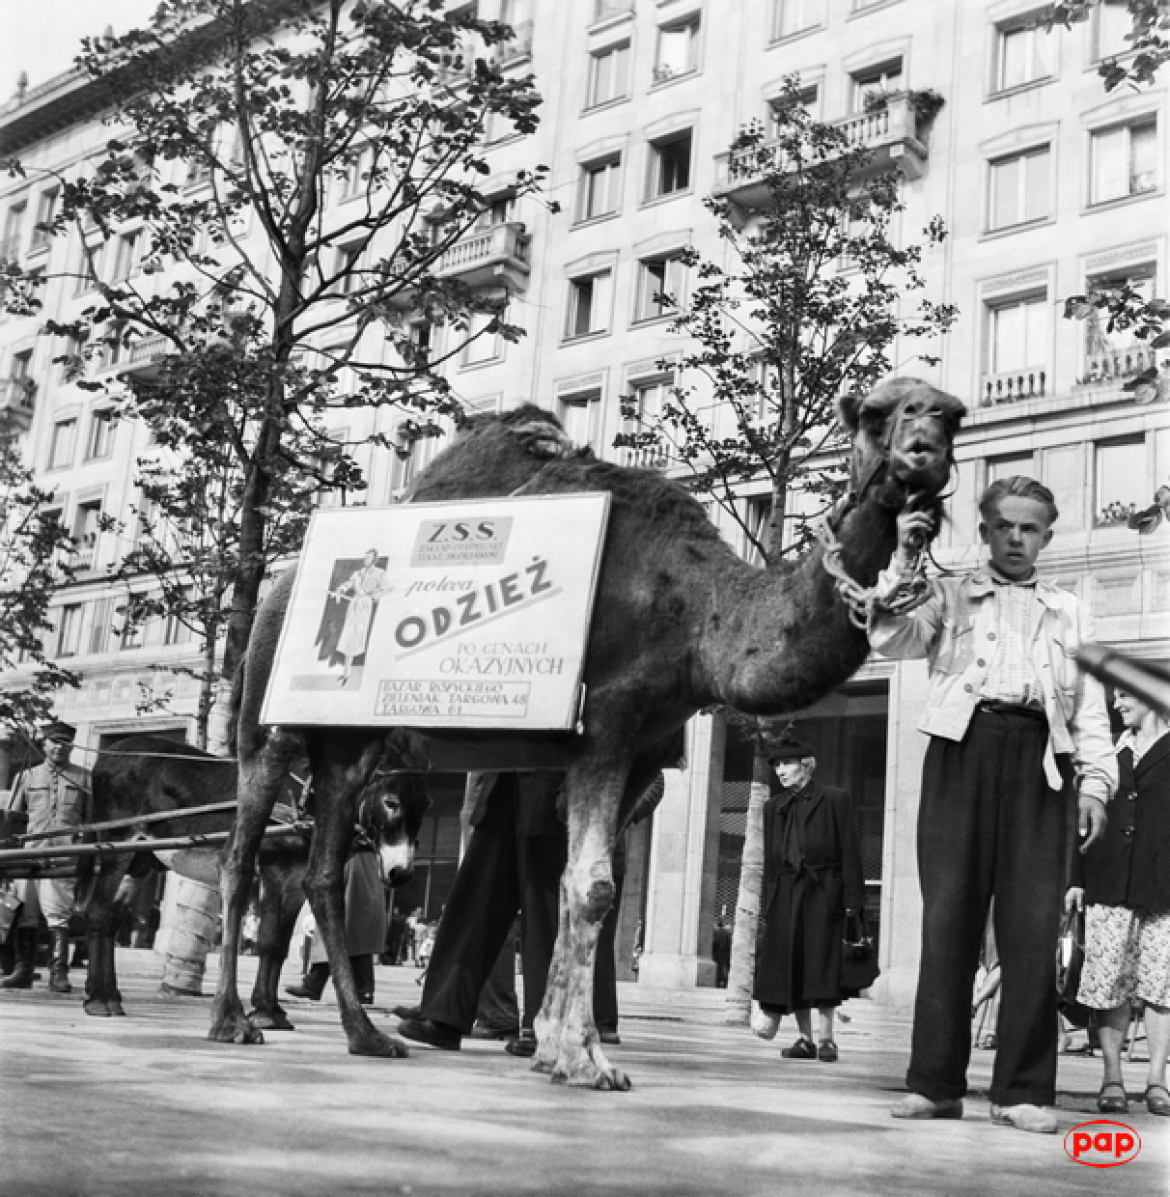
1011 677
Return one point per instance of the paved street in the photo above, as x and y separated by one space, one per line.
146 1106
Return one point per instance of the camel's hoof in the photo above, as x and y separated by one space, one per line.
172 991
97 1009
274 1020
386 1047
611 1080
116 1008
235 1031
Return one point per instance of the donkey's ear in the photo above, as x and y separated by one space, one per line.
848 411
411 749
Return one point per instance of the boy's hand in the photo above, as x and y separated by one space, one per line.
914 530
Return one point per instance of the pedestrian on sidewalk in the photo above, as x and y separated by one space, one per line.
813 882
1123 886
1006 703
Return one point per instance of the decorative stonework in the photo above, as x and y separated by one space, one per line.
1014 282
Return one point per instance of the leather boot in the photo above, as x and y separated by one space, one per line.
59 969
363 978
26 950
312 983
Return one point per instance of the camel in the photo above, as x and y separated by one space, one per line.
149 774
680 623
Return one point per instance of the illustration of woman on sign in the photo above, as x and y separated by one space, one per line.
350 608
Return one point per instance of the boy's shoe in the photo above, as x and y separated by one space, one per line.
920 1108
1040 1120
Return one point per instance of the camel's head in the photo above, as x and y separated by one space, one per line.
392 805
903 439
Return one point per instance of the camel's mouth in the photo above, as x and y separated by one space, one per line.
922 465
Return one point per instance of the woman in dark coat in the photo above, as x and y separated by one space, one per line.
1123 884
812 880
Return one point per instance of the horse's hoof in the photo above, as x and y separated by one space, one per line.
386 1047
96 1009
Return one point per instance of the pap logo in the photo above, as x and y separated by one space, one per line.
1102 1144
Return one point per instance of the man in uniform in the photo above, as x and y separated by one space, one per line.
55 793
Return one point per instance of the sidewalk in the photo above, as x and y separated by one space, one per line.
145 1106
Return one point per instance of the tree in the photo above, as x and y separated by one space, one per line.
1149 37
206 232
817 294
33 564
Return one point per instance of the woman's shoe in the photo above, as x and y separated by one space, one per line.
802 1049
1113 1103
827 1052
1158 1100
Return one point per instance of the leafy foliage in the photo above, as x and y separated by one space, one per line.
33 564
808 312
262 244
1149 38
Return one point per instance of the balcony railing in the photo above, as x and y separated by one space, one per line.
1013 386
141 358
1114 365
649 457
497 255
889 131
17 402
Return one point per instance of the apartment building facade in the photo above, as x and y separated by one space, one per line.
1047 185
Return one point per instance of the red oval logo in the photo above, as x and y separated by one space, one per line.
1102 1144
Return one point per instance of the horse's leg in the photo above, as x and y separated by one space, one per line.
260 777
102 912
568 1047
325 886
281 899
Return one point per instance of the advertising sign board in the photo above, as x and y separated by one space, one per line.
472 613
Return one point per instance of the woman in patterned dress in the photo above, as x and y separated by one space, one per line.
363 588
1123 885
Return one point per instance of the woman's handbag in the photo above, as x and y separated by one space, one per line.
1070 959
859 966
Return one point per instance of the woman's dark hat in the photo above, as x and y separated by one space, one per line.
786 748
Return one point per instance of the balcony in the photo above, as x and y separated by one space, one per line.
495 256
1013 386
140 359
649 457
890 132
1110 366
17 403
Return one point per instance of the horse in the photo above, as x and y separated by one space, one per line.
149 774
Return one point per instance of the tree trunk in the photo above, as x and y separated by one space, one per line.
747 908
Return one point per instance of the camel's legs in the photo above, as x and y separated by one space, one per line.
568 1046
281 899
259 782
325 886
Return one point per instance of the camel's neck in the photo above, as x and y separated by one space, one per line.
782 637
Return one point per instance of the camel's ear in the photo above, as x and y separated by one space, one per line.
848 411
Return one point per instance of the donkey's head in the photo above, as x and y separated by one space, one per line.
392 804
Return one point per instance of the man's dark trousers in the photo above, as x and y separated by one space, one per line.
989 826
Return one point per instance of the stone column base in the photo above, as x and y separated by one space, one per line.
669 971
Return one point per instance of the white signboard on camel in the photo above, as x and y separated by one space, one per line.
472 613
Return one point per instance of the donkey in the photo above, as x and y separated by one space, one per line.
148 774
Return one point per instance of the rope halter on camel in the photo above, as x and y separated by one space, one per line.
911 590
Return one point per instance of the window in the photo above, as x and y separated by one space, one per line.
580 416
481 346
357 174
403 463
808 98
101 435
678 50
1117 354
648 401
1020 189
99 627
1121 487
1024 55
46 208
130 633
13 229
348 269
875 81
126 256
661 283
90 257
600 188
69 630
795 16
611 8
500 210
670 165
1018 335
61 445
609 75
1113 25
1124 161
86 525
176 630
20 381
590 304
